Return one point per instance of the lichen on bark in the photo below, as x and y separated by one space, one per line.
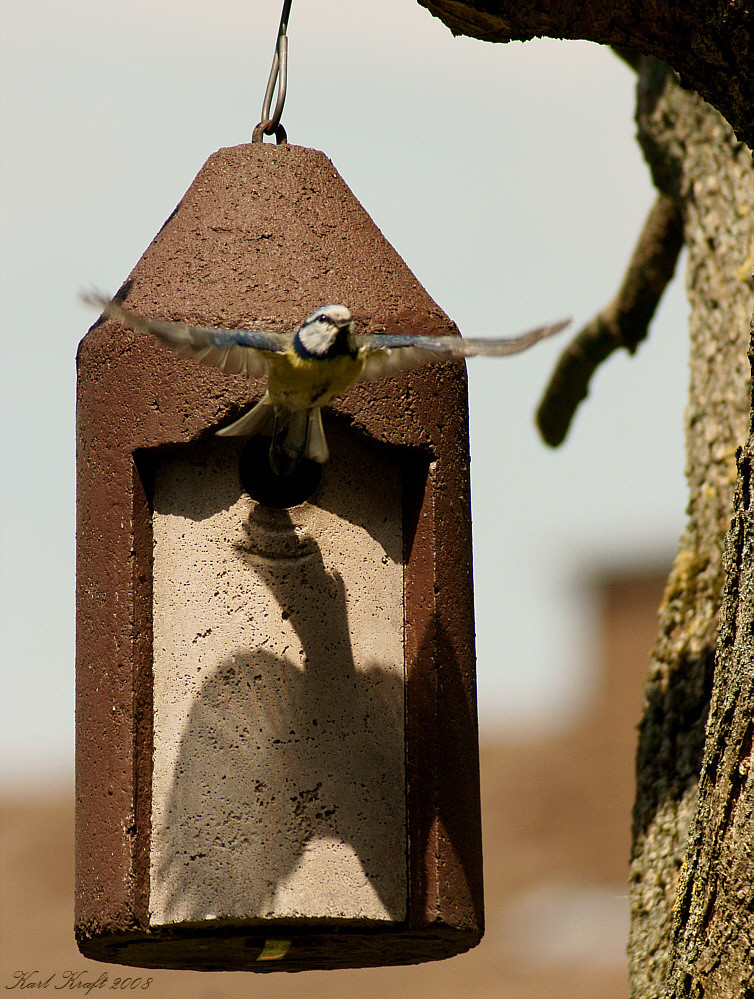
712 944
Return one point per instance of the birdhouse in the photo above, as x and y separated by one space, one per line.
276 757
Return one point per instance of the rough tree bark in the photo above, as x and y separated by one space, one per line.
694 158
692 867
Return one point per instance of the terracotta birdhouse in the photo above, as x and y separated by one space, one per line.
276 761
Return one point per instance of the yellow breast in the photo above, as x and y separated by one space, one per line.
300 383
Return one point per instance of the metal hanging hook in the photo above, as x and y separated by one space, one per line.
270 123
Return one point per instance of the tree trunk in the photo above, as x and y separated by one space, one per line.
692 865
711 952
695 158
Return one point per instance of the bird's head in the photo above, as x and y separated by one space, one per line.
328 332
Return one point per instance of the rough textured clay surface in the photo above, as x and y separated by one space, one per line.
263 236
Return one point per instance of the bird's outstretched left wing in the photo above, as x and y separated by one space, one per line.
233 351
386 353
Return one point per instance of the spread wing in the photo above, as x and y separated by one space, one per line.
233 351
386 353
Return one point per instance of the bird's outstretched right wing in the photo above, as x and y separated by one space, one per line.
386 353
232 351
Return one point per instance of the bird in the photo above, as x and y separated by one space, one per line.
307 368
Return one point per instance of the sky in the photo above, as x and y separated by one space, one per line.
507 177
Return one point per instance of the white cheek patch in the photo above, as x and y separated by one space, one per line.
318 337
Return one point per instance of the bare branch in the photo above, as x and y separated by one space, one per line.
623 323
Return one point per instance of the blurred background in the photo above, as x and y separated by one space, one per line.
509 180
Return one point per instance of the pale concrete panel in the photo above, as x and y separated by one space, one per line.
279 779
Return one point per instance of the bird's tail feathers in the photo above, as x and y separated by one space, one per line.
316 444
288 440
296 434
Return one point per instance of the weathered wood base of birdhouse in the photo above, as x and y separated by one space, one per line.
277 762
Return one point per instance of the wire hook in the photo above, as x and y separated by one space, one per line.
278 75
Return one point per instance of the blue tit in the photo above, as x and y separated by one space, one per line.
308 368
